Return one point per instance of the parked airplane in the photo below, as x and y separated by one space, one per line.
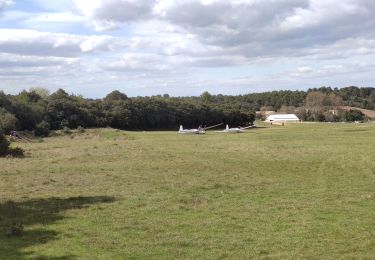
234 130
199 130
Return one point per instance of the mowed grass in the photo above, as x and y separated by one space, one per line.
298 191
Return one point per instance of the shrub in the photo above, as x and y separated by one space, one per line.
16 152
66 130
64 123
352 115
7 121
5 150
4 145
330 117
80 129
42 129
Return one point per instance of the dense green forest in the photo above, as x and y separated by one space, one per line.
37 110
351 96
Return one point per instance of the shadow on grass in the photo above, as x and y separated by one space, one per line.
15 217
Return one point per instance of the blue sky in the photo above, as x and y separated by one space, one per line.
185 47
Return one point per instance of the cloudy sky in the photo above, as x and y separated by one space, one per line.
185 47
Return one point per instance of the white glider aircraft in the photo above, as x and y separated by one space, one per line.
199 130
234 130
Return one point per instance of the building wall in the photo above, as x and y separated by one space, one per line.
287 118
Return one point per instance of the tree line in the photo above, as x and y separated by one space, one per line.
323 104
37 110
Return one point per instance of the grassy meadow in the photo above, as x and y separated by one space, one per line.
298 191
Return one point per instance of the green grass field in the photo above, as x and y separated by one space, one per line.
299 191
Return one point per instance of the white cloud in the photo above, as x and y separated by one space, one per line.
247 27
170 43
18 61
58 6
35 43
55 17
106 15
4 4
137 61
305 69
322 12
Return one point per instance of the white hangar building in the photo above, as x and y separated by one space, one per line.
282 118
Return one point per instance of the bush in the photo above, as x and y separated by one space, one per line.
80 129
330 117
353 115
5 150
16 152
4 145
7 121
42 129
64 124
66 130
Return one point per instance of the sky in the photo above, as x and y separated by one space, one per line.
185 47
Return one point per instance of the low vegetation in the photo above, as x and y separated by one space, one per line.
7 150
298 191
4 145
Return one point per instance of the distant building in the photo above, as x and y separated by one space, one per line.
282 118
